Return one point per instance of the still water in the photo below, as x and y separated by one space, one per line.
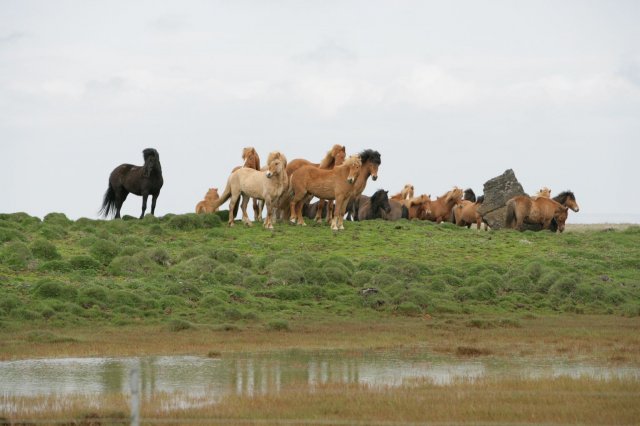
198 378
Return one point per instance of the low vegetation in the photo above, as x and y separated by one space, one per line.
187 271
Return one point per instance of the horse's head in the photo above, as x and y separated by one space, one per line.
276 165
469 195
212 193
151 161
371 160
560 216
250 157
543 192
354 163
571 201
380 200
407 192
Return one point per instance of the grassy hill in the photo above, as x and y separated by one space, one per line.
188 270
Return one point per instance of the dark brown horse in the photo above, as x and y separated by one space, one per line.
567 199
139 180
539 210
375 207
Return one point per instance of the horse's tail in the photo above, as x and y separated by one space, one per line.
109 203
405 212
223 198
510 218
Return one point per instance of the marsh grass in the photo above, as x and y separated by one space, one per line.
481 401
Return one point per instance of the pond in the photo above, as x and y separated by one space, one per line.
193 378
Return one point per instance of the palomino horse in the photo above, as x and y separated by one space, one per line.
139 180
251 161
418 207
465 213
375 207
206 205
264 185
405 194
543 192
329 184
540 210
334 157
442 206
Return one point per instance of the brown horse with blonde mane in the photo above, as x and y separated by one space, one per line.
206 205
329 184
251 161
442 206
266 185
539 210
370 163
418 207
334 157
405 194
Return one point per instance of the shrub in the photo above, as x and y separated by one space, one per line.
288 293
371 265
92 295
82 262
186 222
53 232
43 249
138 264
315 275
11 235
252 281
211 221
16 255
179 325
339 261
362 278
383 280
9 303
57 219
225 256
200 267
408 309
535 271
278 325
160 256
287 271
483 291
184 289
50 289
563 287
55 266
337 275
104 250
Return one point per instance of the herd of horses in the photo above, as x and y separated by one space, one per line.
286 188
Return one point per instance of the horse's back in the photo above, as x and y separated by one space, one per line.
297 163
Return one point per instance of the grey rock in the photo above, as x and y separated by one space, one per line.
497 192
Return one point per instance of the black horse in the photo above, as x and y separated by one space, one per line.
367 208
127 178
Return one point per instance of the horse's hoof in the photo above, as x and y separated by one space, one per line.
341 227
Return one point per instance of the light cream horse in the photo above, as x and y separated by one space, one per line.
252 161
206 205
267 185
543 192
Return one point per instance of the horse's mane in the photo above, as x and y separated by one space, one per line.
369 155
562 197
469 195
277 155
330 159
251 158
454 193
480 199
151 162
352 160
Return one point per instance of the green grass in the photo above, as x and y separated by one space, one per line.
182 271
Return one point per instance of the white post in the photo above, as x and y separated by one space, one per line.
134 382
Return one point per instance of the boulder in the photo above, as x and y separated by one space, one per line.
497 192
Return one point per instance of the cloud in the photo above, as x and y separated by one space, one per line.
12 37
328 52
169 24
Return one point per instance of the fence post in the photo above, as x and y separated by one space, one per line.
134 382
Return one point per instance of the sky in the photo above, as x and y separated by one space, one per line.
450 93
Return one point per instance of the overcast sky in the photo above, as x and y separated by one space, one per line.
450 93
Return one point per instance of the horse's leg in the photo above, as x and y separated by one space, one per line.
144 204
334 220
245 215
293 210
232 205
154 198
321 204
257 211
268 222
330 212
120 197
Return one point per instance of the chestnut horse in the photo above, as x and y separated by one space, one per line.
329 184
539 210
418 207
251 161
250 183
465 213
334 157
206 205
370 163
567 199
442 206
139 180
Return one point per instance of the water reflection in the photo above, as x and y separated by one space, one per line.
198 378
